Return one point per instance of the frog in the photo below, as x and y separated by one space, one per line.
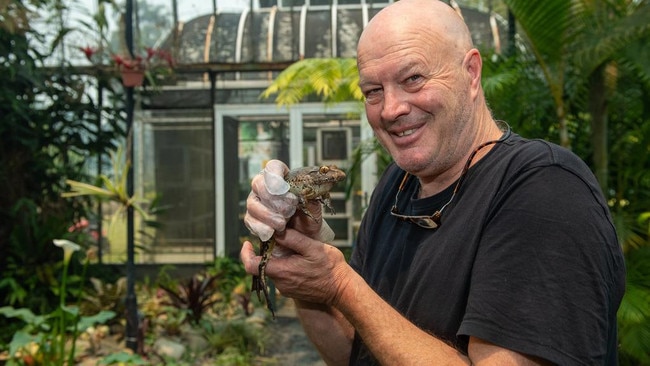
307 183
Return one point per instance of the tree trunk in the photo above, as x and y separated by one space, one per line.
565 141
598 112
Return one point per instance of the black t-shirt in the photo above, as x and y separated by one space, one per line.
526 257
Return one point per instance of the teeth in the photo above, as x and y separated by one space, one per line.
406 133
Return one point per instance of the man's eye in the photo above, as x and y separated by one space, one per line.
371 91
372 95
413 78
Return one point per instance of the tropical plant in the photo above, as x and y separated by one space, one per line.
104 296
106 49
234 285
200 293
54 128
365 149
236 341
334 80
591 56
114 188
633 315
51 338
196 295
582 44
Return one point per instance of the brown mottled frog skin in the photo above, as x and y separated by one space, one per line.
307 183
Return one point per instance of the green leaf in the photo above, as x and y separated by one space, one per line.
99 318
22 339
85 189
23 314
72 310
332 79
123 358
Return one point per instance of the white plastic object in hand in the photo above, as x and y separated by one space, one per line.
275 183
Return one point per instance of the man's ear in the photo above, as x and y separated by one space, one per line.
473 65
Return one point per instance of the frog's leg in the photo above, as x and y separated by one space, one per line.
259 281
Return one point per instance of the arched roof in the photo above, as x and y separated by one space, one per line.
284 34
265 40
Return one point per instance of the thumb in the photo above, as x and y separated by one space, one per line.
249 258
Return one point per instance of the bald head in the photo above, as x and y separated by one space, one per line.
431 20
421 79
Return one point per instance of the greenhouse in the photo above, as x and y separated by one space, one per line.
226 61
514 221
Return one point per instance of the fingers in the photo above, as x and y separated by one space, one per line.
294 244
260 229
310 270
261 220
267 187
281 251
276 167
296 241
249 258
269 208
314 273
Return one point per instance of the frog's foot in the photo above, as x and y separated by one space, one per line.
259 281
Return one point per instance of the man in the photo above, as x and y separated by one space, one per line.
478 246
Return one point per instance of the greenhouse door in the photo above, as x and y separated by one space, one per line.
246 137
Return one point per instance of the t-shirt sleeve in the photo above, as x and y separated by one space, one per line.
544 274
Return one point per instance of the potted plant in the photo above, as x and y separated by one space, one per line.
154 64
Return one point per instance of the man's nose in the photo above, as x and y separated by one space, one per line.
395 104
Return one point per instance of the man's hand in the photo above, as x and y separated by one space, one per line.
311 271
270 204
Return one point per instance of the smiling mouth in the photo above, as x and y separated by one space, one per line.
405 133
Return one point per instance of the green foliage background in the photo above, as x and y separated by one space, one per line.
579 76
49 120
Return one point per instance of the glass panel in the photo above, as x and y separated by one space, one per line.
330 139
327 139
177 165
260 140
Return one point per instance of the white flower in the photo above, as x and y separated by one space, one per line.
68 248
67 244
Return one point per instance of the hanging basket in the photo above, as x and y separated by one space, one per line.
132 77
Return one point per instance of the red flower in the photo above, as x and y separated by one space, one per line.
150 53
118 60
88 51
151 60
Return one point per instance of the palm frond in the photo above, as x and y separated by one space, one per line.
365 149
548 28
332 79
85 189
611 36
635 57
500 74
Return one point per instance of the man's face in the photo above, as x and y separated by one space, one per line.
418 100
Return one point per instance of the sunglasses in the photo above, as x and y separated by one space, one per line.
433 221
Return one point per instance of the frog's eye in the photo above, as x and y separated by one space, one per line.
324 169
